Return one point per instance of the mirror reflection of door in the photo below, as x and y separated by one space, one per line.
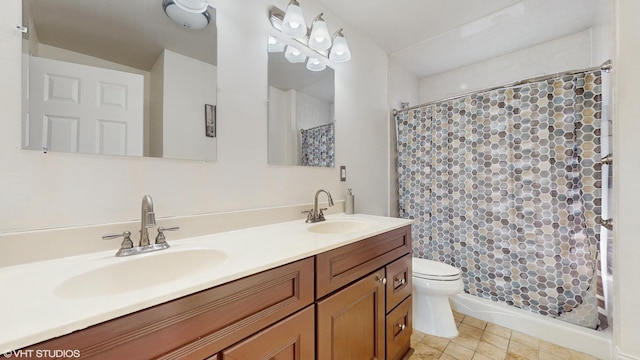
78 108
77 55
301 114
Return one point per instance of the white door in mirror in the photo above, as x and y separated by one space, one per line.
79 108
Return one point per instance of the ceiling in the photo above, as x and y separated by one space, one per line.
427 37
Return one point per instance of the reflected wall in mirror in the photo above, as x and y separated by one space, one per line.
117 77
301 112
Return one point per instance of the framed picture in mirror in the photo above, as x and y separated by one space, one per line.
210 120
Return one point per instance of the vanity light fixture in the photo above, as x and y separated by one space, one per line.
294 55
317 39
339 52
293 22
275 45
191 14
314 64
320 39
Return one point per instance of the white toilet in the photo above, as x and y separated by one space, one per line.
433 283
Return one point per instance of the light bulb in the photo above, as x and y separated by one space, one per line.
293 22
320 38
294 55
315 65
340 50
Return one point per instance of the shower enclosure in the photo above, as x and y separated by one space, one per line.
506 185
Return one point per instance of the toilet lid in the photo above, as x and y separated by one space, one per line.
429 269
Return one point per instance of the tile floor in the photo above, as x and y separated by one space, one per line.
479 340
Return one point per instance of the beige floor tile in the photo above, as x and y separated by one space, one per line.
525 339
478 356
435 342
458 352
423 351
457 316
526 352
447 357
512 356
479 340
548 356
468 330
466 341
498 330
495 340
474 322
576 355
416 337
554 350
490 351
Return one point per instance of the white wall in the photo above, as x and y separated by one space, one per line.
626 172
282 131
57 190
189 84
568 53
403 87
156 109
311 111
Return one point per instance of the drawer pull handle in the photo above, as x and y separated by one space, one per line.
400 281
383 280
402 326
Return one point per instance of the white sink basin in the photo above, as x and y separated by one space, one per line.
139 272
341 226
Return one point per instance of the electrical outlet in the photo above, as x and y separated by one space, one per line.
343 173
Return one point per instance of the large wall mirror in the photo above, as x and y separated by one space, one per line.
119 77
301 113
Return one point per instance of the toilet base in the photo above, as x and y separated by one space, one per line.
432 315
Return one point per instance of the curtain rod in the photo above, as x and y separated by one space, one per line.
315 127
607 66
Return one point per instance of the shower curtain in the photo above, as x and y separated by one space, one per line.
317 146
505 185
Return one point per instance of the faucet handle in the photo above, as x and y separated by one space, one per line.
309 215
126 242
321 214
160 238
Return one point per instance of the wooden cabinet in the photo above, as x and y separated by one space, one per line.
339 267
398 331
199 325
353 302
350 323
369 316
290 339
398 275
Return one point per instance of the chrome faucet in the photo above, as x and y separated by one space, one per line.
147 220
315 215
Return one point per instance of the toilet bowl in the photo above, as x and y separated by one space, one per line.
433 283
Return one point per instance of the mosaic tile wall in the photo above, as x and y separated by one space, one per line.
505 185
317 146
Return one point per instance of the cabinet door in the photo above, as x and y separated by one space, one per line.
399 331
398 281
351 322
291 339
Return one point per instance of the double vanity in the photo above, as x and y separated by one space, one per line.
336 289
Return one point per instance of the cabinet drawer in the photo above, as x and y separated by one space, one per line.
201 324
399 327
398 281
292 338
337 268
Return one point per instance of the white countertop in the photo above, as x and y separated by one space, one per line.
32 312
